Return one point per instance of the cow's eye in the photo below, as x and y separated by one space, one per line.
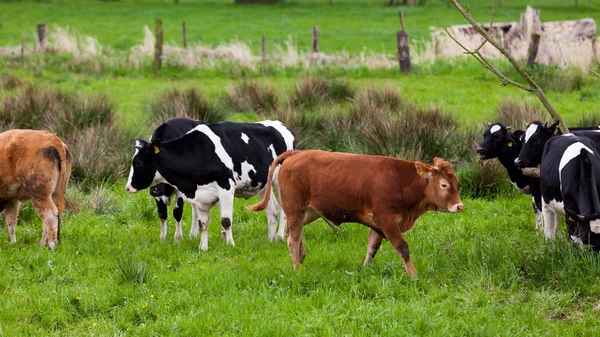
444 186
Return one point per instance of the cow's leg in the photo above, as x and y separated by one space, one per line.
271 211
226 210
178 214
282 216
550 221
294 238
203 213
374 243
392 232
194 228
161 207
573 228
539 219
10 217
49 214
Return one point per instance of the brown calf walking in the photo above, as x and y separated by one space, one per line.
383 193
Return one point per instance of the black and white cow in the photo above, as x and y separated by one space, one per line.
536 136
211 164
499 142
163 193
570 182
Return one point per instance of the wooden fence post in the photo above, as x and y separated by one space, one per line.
42 38
411 3
263 54
158 46
315 36
402 45
184 35
532 51
499 3
22 49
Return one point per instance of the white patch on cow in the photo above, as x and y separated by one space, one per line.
530 131
165 200
577 241
524 190
163 229
287 135
495 128
158 178
226 209
550 211
219 149
571 152
595 226
273 153
245 138
128 186
243 185
568 135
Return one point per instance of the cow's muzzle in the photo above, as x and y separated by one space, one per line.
457 208
130 189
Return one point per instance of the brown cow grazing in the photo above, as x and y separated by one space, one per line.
35 165
383 193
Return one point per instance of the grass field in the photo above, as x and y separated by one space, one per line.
484 272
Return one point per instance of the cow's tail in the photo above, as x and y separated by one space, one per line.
65 172
261 205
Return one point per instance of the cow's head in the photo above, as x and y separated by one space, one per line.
143 172
495 139
536 136
442 187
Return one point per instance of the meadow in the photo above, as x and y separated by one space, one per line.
486 271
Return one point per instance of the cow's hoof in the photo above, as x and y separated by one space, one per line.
203 248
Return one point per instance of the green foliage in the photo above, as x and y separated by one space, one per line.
484 179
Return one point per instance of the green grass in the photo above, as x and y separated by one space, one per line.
347 25
486 271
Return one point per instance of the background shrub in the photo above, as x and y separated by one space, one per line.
86 124
248 95
189 103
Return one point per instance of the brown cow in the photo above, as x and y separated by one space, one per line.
383 193
35 165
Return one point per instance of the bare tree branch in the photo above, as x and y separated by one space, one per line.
533 87
593 73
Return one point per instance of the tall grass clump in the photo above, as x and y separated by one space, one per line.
512 113
86 124
586 120
9 81
554 78
250 95
130 270
314 92
189 103
483 179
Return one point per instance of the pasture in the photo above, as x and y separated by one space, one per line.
486 271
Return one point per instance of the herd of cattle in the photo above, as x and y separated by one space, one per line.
211 164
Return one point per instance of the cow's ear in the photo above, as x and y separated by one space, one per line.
424 170
508 128
140 144
553 127
437 161
156 146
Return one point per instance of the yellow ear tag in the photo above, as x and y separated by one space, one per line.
420 173
509 144
571 219
156 149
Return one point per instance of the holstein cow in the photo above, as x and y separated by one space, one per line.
534 140
570 181
36 165
499 143
211 164
383 193
163 193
